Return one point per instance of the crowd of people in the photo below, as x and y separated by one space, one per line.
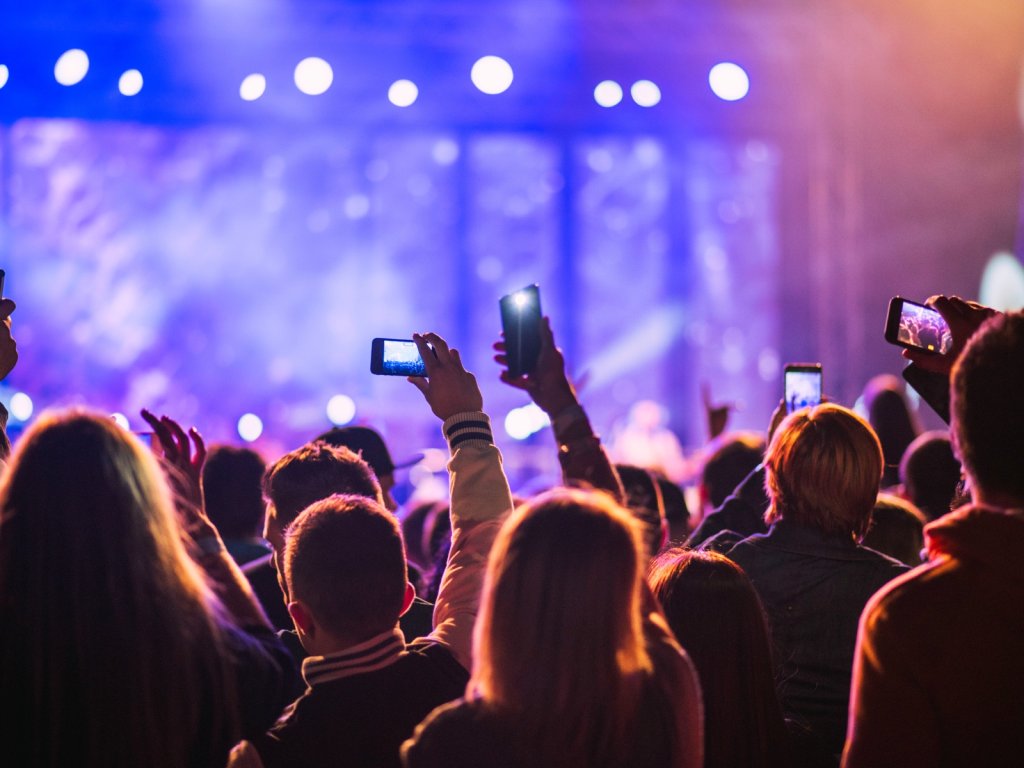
850 591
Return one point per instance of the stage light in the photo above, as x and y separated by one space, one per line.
403 93
250 427
341 409
645 93
608 93
253 86
313 76
520 423
121 420
492 75
445 152
71 67
728 81
130 82
4 75
21 406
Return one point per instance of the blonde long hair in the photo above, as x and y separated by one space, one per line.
559 643
110 638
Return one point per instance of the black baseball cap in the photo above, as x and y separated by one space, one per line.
370 445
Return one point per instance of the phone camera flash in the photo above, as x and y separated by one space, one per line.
521 300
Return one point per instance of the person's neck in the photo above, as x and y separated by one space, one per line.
328 644
994 499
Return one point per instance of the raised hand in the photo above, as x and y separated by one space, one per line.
963 318
8 347
547 385
448 387
717 415
183 459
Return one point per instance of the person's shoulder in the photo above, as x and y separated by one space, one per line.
454 734
913 595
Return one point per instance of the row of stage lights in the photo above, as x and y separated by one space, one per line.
520 423
492 75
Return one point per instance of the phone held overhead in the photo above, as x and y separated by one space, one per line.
520 322
396 357
802 384
916 326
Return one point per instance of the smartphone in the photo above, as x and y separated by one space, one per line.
520 320
802 383
913 325
932 387
396 357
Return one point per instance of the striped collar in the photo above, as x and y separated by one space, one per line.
376 653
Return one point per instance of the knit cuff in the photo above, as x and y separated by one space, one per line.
469 426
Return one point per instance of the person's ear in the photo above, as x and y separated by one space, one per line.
302 618
410 595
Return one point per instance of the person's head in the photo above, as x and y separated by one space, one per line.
559 638
731 457
307 474
893 420
822 471
643 497
988 410
232 490
717 617
930 474
896 530
677 514
372 449
344 565
98 594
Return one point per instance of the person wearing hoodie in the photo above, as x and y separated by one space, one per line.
939 673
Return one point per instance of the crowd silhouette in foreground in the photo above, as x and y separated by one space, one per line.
850 591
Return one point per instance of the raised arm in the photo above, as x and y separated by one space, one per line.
480 495
580 451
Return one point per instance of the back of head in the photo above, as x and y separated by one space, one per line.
232 490
344 559
988 408
731 457
643 497
891 417
559 637
365 442
313 472
930 473
717 617
897 529
677 514
99 594
822 471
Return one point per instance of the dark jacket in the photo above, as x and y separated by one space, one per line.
742 514
939 675
813 588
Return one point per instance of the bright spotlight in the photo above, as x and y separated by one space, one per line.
250 427
403 93
728 81
71 67
253 86
313 76
121 420
4 75
341 409
608 93
645 93
130 82
520 423
21 406
492 74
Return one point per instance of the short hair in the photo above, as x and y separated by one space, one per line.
896 530
930 473
823 468
988 406
232 490
731 457
345 560
643 498
313 472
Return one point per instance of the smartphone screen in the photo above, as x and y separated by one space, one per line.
396 357
914 325
802 386
520 321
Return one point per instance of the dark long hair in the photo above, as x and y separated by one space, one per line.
716 615
111 644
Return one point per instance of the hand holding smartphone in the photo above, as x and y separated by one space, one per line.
396 357
520 322
916 326
802 383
